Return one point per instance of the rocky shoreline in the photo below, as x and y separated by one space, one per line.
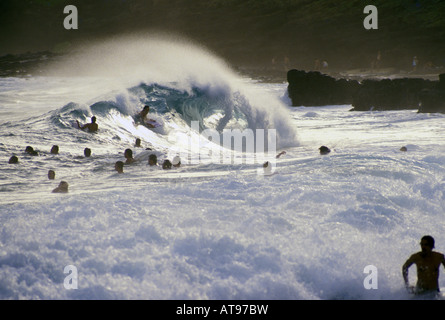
316 89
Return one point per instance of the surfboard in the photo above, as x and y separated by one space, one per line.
153 123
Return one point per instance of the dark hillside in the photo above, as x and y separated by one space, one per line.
247 33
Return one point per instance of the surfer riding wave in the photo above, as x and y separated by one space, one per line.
141 118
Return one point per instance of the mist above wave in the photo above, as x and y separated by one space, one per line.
129 61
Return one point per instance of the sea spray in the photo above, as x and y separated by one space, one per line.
198 85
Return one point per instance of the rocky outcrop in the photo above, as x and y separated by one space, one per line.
316 89
390 94
433 99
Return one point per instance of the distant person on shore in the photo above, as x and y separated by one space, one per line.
376 63
128 154
415 63
51 174
137 144
378 60
55 149
91 127
87 152
286 63
62 188
317 65
428 263
152 160
274 63
30 150
119 167
13 160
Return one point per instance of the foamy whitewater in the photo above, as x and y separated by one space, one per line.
206 230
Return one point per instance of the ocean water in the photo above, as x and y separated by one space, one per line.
209 229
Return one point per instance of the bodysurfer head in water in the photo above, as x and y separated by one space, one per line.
91 127
129 156
13 159
152 160
119 167
30 150
428 263
324 150
51 174
166 164
87 152
62 188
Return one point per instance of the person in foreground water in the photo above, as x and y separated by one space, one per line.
428 263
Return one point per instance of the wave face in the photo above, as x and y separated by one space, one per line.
181 82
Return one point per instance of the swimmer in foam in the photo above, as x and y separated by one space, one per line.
128 154
51 174
87 152
13 160
30 150
62 188
55 149
91 127
428 263
152 160
324 150
119 167
267 168
166 165
176 162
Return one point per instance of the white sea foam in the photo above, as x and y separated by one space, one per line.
218 231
